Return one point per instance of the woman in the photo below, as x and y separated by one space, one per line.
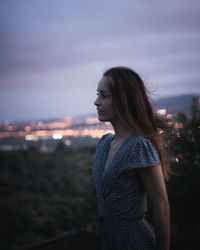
130 165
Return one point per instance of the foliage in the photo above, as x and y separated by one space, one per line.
44 194
184 186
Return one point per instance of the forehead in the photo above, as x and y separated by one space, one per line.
104 84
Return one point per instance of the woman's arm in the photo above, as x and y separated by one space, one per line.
152 178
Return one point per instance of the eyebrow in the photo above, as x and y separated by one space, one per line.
102 90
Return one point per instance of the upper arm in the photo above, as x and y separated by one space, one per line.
153 181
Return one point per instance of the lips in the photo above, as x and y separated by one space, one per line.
99 111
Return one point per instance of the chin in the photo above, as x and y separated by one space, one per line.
101 119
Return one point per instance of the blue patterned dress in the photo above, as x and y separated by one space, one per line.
122 199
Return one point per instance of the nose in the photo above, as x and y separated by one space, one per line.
96 102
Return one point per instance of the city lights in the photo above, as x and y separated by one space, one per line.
9 128
68 142
27 128
31 138
88 126
162 111
57 136
169 116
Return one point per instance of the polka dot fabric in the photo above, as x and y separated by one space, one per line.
122 199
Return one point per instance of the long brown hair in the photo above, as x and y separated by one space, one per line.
135 108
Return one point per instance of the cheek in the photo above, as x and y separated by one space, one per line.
111 104
108 104
111 108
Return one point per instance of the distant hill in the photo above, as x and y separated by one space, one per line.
175 104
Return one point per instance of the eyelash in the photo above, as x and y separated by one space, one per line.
101 95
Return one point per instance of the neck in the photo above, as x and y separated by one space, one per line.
121 130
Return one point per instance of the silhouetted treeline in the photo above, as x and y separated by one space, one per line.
46 194
184 184
43 194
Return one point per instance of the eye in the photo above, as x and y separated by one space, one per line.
101 95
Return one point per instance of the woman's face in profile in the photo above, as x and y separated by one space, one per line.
104 101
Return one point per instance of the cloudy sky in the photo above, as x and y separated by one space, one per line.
53 52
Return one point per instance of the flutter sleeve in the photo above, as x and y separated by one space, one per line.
142 153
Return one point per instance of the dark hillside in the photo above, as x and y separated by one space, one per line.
175 104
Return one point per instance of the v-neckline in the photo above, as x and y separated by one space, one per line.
116 153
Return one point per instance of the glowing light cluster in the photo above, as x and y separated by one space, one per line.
10 128
162 111
57 136
169 116
170 124
27 128
68 142
92 120
178 125
51 125
7 122
31 138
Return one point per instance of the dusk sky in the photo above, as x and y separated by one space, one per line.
53 53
